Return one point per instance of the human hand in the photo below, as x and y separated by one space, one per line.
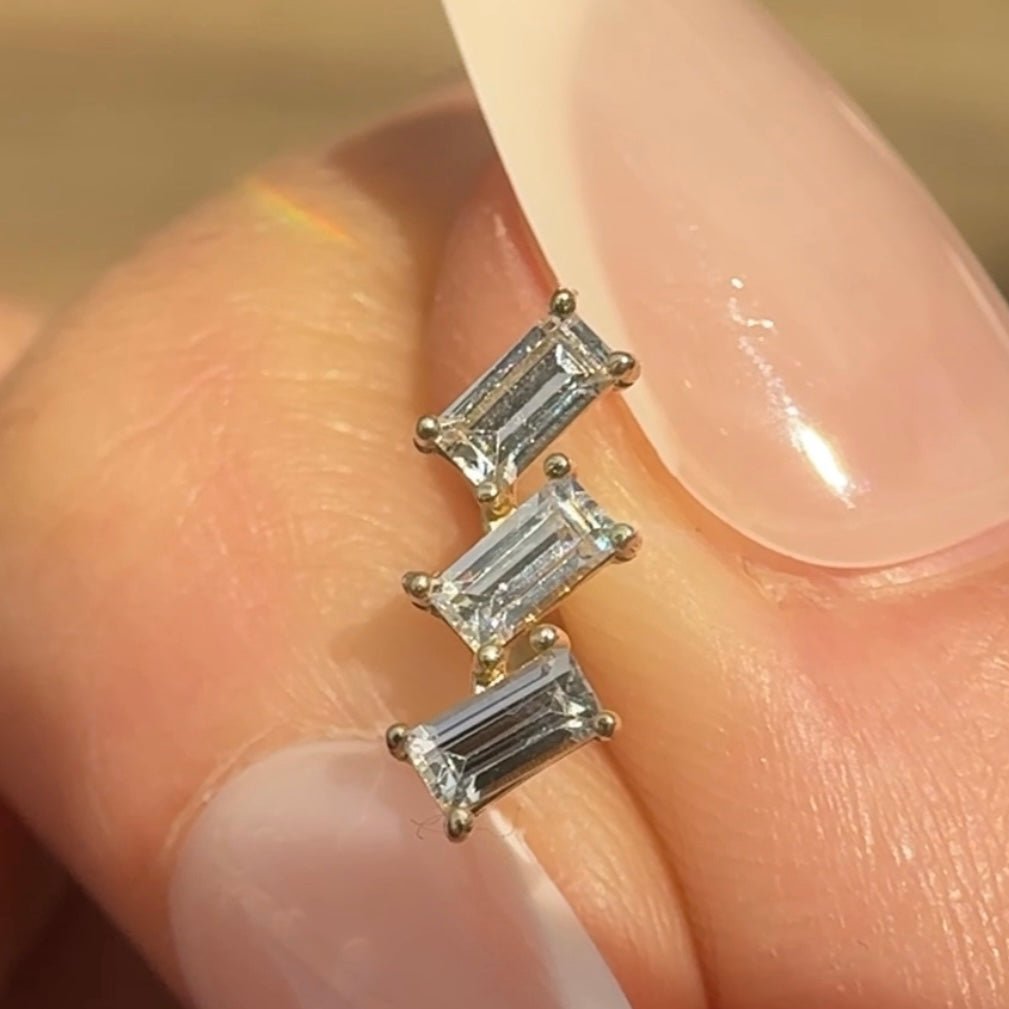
209 498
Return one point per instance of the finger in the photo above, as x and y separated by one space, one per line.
817 752
212 499
31 885
694 134
81 962
29 881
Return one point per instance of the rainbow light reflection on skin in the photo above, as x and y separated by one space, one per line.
279 204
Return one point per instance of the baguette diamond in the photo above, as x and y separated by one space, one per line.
493 741
521 569
531 703
511 413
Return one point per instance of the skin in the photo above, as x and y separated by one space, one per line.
210 495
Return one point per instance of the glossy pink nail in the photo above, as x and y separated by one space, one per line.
826 366
312 882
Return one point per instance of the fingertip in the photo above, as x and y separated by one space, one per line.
328 858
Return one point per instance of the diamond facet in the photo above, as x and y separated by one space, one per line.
521 569
500 737
509 415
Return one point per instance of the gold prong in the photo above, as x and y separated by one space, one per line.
488 492
395 739
496 503
623 368
428 428
626 541
543 638
606 723
458 823
489 665
490 656
557 465
419 585
563 303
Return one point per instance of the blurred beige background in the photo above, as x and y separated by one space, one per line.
116 114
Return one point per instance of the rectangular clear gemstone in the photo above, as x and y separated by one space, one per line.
498 738
525 565
509 415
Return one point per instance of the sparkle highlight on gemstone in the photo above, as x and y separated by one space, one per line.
522 568
512 412
496 739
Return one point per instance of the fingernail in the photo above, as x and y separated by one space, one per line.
319 879
826 367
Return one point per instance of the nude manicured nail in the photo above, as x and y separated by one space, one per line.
826 366
320 879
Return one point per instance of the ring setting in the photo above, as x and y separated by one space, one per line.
531 702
